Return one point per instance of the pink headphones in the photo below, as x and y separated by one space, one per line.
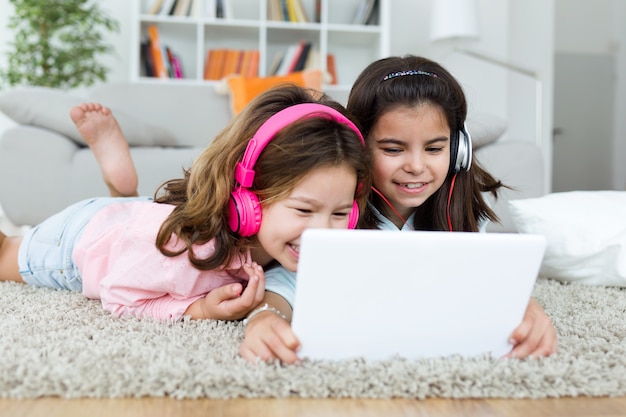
244 208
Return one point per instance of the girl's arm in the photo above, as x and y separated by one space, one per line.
145 296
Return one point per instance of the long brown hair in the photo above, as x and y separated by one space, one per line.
201 197
372 96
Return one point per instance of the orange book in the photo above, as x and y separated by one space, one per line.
240 62
231 61
245 62
331 68
215 64
160 70
210 55
253 69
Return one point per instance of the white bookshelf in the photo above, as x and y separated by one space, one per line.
354 45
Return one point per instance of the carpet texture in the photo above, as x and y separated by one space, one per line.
58 343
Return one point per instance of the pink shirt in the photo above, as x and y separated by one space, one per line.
121 265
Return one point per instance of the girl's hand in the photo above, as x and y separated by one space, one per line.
229 302
268 336
535 336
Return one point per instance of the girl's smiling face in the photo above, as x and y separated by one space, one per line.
411 151
322 199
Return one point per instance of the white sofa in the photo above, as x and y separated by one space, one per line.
45 165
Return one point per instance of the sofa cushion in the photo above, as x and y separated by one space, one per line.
49 108
484 128
243 89
586 234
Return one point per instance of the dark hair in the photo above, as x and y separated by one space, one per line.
411 81
201 197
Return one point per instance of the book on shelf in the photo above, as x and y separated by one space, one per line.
167 8
287 60
146 58
175 67
224 9
291 11
318 11
274 11
276 62
296 57
209 8
231 62
331 68
214 64
157 51
293 59
207 64
313 60
373 19
178 68
155 7
299 11
364 11
302 57
182 8
284 10
253 68
249 63
222 62
195 10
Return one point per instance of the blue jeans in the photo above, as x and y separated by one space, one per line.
45 254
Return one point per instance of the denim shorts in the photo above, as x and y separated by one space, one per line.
45 254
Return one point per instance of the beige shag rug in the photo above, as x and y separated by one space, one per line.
56 343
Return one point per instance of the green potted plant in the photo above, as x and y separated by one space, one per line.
57 43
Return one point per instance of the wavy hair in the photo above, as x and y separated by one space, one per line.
202 196
372 96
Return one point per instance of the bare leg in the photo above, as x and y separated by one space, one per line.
104 136
9 269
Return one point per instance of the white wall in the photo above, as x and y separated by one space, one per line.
511 30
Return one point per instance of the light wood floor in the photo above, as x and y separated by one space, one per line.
163 407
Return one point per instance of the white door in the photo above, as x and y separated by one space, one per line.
583 121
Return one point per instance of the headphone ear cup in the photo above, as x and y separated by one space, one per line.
454 153
353 217
461 152
244 212
464 157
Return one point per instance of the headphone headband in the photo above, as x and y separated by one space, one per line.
244 171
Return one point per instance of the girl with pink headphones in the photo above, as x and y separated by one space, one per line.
286 163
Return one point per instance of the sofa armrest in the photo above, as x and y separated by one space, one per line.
519 165
43 160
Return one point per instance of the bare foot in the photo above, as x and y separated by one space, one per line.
104 136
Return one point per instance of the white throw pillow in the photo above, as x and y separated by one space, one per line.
586 233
